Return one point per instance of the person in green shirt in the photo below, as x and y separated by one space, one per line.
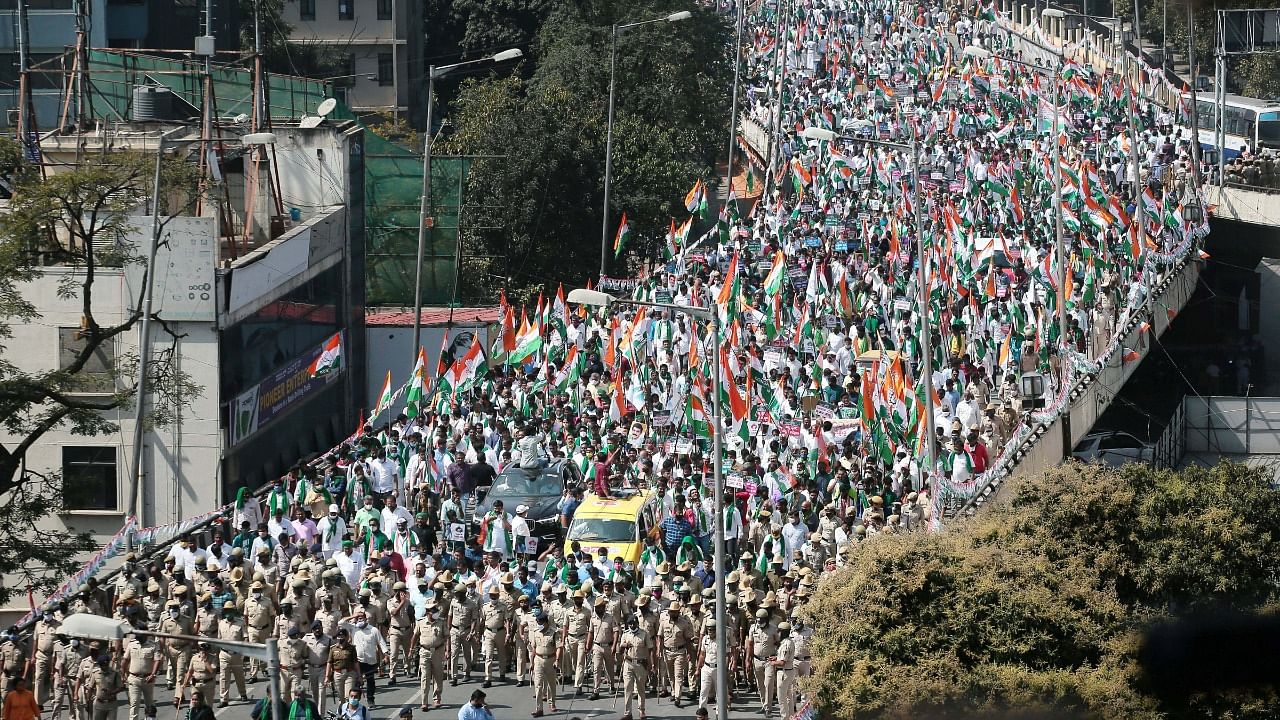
365 515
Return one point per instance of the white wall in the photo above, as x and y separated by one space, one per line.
182 464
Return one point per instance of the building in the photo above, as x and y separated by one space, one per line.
249 300
376 44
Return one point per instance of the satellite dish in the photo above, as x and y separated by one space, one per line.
310 121
326 106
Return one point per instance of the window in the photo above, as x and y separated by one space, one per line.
89 480
386 69
384 9
97 374
307 9
346 9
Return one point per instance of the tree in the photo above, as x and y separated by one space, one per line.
1036 605
73 220
533 213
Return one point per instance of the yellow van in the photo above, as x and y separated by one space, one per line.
618 524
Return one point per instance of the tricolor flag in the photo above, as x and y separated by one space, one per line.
330 357
384 397
413 397
466 368
773 281
696 201
624 234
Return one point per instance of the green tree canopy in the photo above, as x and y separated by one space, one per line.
1038 604
533 214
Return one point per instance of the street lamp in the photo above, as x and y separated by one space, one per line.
433 72
973 51
595 298
97 627
926 342
608 143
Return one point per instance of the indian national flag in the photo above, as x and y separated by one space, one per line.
528 340
466 368
696 199
384 397
572 370
696 412
773 281
329 359
624 234
413 397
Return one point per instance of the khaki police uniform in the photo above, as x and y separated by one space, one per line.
230 664
294 656
604 635
787 676
462 636
141 659
177 652
431 637
545 644
317 658
676 634
259 618
344 672
711 659
637 650
577 623
400 611
202 674
495 616
764 644
104 686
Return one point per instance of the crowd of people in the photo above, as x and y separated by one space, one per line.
352 563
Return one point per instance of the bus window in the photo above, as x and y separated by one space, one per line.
1269 129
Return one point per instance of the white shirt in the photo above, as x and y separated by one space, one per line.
331 543
367 641
383 475
391 517
351 566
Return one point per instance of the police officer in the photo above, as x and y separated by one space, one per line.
637 649
546 658
649 621
495 616
318 645
294 656
602 637
400 611
141 664
522 626
230 664
178 652
66 656
429 639
43 638
13 657
260 618
674 636
104 687
201 674
576 622
708 659
343 671
464 621
762 643
786 668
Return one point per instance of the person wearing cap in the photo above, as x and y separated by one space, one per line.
201 673
342 671
495 618
636 647
400 612
140 664
464 631
802 637
546 647
602 638
318 647
176 651
675 635
576 623
260 618
294 657
42 640
429 639
762 644
330 531
231 664
785 664
66 658
520 533
709 657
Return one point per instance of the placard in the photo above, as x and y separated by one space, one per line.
902 304
531 546
842 246
457 532
830 321
789 428
662 419
823 411
683 446
735 481
662 296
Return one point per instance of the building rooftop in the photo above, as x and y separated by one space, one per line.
431 316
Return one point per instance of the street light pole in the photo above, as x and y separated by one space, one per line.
608 155
424 207
617 30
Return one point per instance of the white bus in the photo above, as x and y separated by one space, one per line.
1245 121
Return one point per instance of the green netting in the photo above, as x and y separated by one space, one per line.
393 174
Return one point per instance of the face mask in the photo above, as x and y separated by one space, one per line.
353 702
257 596
361 624
173 614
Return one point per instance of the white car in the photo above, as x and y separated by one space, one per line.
1114 448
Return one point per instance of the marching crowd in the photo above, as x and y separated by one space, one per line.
351 563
